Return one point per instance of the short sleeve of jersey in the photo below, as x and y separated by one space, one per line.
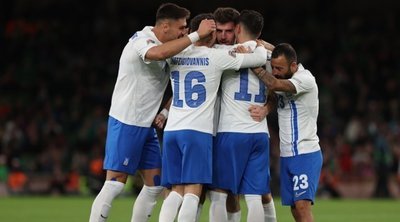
142 45
303 81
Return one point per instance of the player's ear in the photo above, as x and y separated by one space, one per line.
165 26
238 29
293 67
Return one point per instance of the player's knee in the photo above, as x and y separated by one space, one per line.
116 176
302 207
151 177
232 203
266 198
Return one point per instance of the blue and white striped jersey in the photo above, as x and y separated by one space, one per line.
297 115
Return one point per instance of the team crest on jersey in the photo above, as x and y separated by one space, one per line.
126 162
232 53
150 41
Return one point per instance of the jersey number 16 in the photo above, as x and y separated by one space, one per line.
190 89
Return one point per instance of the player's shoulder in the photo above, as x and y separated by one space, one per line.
144 35
304 77
195 51
251 43
220 46
223 52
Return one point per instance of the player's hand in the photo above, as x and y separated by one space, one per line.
257 70
159 121
266 45
258 113
206 27
242 49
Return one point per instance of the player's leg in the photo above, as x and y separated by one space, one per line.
255 209
305 179
255 180
171 176
171 204
269 208
230 159
196 170
190 202
233 207
218 200
124 146
294 213
147 198
112 187
150 164
301 211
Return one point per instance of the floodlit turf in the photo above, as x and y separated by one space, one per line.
76 209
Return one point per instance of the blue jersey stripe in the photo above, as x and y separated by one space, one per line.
295 127
291 125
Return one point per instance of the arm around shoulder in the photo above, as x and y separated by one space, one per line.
273 83
168 49
255 59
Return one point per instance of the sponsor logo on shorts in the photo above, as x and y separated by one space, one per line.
299 194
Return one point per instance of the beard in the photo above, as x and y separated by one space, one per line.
287 75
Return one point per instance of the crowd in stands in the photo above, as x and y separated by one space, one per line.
59 61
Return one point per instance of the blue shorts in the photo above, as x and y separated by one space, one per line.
129 148
241 163
299 177
186 158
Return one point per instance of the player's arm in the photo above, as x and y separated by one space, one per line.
257 58
171 48
232 60
162 116
272 82
266 45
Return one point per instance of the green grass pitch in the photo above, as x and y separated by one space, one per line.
76 209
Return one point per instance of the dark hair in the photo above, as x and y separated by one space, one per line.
171 11
195 22
252 21
286 50
226 14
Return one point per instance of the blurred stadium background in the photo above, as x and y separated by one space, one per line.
59 62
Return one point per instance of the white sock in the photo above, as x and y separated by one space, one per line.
269 211
235 217
218 207
199 209
189 208
102 203
145 202
255 208
170 207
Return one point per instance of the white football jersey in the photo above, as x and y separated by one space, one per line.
241 89
195 77
140 84
297 115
